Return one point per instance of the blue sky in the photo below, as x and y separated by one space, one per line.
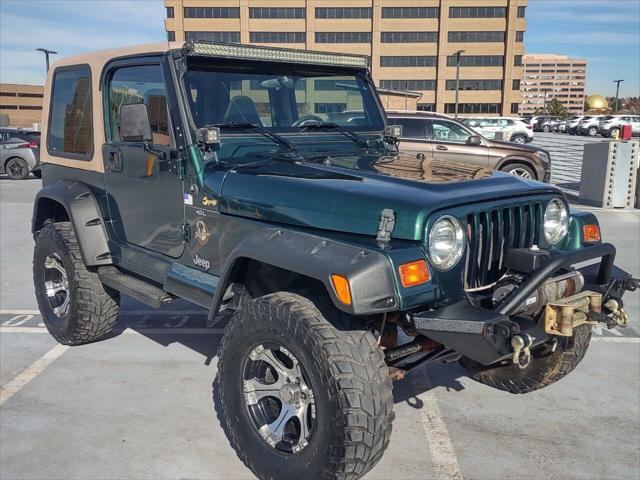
605 32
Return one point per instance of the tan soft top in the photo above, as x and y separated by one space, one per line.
96 61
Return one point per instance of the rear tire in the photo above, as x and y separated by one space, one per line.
340 363
614 132
16 168
76 307
592 132
546 129
544 369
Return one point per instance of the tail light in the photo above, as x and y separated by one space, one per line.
33 144
529 127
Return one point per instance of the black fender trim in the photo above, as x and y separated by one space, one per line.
369 272
83 211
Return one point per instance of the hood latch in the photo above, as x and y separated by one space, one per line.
385 227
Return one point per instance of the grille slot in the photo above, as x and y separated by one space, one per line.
491 233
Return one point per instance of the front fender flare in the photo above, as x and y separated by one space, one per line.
368 271
84 213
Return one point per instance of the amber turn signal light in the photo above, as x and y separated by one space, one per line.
341 286
591 233
414 273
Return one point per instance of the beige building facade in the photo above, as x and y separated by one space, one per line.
411 43
548 76
21 103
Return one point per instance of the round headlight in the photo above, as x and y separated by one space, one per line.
556 221
446 243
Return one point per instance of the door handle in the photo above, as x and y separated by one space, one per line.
115 161
441 147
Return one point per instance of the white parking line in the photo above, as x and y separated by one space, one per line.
616 339
443 456
122 312
130 331
31 372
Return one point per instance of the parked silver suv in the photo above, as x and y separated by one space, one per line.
611 126
19 152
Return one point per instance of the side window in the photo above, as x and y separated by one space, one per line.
445 131
70 131
412 128
140 84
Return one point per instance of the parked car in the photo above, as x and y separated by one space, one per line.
565 125
572 124
512 129
323 239
546 124
19 153
611 126
589 125
444 138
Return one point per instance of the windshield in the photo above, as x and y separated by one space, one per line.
280 98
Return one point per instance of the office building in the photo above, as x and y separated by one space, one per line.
22 104
411 43
548 76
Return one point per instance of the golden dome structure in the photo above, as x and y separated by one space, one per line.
596 102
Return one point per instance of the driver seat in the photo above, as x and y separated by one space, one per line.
242 109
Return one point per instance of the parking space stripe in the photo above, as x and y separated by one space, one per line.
130 331
616 339
443 456
31 372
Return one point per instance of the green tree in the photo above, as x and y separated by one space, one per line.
556 108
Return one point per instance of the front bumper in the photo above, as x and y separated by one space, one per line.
485 335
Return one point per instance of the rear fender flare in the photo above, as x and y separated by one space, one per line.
368 271
83 211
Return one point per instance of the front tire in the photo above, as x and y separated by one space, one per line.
519 139
76 307
614 132
592 132
546 129
519 170
329 375
545 367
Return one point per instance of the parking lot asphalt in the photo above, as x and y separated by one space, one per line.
139 404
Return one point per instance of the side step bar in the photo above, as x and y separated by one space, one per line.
139 289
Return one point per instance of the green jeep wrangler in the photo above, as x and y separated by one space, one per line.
266 181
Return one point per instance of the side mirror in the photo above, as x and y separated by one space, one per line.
134 123
474 140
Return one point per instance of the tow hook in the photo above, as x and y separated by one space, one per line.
617 314
521 353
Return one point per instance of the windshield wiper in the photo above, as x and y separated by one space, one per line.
261 130
359 139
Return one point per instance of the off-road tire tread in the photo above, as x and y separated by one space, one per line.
97 305
561 363
358 378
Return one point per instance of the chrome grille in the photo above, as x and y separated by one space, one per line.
491 233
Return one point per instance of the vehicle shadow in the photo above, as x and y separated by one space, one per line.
426 378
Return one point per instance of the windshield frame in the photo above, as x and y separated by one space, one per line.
370 99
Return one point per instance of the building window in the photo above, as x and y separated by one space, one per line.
476 60
515 107
171 36
475 85
277 13
520 37
410 12
409 37
399 61
477 12
227 37
362 12
333 85
211 12
329 107
30 107
170 12
515 86
517 60
70 113
457 37
8 94
8 107
277 37
30 95
521 11
343 37
472 108
403 85
426 107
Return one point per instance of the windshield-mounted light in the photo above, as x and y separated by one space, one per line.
272 54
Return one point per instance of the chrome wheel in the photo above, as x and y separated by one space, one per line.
17 169
520 172
278 398
519 139
56 285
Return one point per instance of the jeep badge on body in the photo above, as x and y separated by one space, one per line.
267 181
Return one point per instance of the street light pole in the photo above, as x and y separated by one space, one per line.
457 54
617 82
46 55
